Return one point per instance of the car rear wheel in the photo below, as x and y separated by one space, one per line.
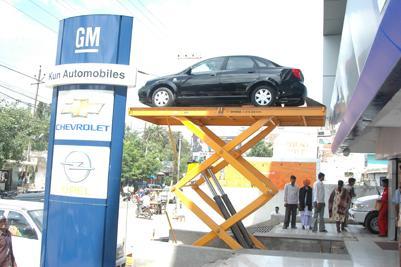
263 96
162 97
371 222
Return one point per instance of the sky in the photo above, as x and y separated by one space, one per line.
288 32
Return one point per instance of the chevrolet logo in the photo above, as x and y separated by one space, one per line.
81 108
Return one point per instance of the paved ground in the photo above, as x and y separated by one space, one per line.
361 246
141 230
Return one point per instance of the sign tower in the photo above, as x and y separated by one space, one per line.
85 143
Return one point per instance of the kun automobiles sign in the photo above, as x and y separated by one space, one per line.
91 74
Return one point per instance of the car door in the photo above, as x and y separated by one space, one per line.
240 71
202 79
25 239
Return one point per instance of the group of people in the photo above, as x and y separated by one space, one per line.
307 199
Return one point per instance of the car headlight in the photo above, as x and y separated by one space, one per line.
120 250
360 207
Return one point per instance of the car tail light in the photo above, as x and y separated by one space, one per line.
297 73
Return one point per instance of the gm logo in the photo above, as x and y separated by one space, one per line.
87 40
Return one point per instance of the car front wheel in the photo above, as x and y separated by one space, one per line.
371 222
263 96
162 97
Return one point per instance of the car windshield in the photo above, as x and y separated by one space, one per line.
37 217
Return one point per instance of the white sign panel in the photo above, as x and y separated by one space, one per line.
80 171
295 144
91 73
84 115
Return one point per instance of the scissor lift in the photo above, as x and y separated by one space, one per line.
260 121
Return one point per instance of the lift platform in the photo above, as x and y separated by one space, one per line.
260 121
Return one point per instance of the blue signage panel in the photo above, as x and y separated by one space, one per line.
95 39
85 148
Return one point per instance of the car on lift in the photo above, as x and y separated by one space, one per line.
227 80
25 219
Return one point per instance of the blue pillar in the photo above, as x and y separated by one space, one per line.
85 143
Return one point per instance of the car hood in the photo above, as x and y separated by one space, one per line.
166 77
367 198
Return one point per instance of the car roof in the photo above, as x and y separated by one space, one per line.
21 205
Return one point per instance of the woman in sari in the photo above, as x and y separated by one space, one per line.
338 204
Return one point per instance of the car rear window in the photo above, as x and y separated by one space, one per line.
236 63
263 63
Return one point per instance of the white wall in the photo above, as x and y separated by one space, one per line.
331 46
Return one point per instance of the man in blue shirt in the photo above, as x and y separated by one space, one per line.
397 200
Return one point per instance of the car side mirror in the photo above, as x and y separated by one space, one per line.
188 71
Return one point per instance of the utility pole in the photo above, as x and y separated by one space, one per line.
39 81
179 157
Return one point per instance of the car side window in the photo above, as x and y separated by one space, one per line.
237 63
210 65
264 64
19 226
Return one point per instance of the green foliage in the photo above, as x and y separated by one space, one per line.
144 153
41 124
17 129
261 149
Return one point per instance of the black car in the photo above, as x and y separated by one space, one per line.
227 80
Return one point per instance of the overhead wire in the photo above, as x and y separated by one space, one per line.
151 13
17 100
64 7
17 71
154 27
7 86
44 10
29 16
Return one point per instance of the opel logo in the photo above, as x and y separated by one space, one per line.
77 166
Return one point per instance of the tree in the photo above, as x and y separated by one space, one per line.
41 122
144 153
18 128
261 149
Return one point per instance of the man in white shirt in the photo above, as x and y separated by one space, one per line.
146 200
291 193
396 201
318 204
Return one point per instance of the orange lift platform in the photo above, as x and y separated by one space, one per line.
260 121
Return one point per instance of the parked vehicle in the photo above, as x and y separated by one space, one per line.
144 212
154 186
34 196
25 219
363 211
228 80
166 194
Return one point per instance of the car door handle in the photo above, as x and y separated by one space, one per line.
212 74
251 71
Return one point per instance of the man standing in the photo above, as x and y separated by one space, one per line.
305 204
396 201
351 193
291 193
318 203
6 249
